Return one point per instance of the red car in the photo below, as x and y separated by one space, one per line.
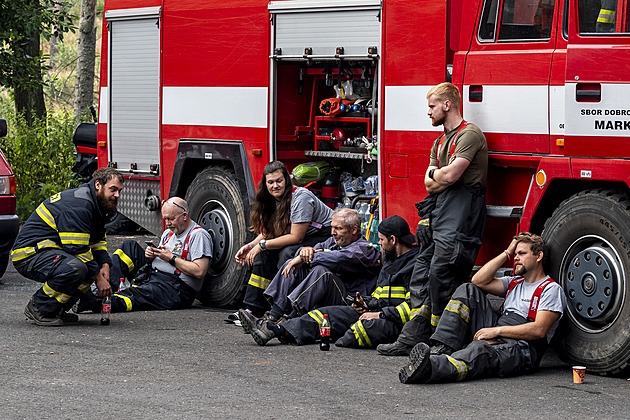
9 222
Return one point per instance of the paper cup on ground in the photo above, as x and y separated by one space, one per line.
578 374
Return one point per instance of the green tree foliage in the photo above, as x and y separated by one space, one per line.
41 156
21 60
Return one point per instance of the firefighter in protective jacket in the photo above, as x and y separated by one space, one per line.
63 246
368 321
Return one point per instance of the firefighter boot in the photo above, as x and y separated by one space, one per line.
394 349
256 327
418 370
33 314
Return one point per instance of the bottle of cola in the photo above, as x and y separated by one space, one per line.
106 309
324 333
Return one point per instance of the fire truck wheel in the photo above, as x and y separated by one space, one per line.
589 255
215 202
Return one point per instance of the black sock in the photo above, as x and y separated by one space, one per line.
278 330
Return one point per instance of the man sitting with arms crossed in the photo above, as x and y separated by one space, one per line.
472 343
368 322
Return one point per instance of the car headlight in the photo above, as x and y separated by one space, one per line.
7 185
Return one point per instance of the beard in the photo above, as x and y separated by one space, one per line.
520 270
437 121
107 205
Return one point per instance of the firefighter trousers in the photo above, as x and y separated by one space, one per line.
458 222
64 277
468 311
266 265
150 289
345 327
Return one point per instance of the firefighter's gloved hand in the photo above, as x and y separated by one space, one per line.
424 233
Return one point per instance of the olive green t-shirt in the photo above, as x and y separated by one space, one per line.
471 145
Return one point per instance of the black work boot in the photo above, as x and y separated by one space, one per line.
418 370
256 327
394 349
441 348
33 315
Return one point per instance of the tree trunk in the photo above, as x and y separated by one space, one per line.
86 51
29 100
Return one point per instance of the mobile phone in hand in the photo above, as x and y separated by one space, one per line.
150 243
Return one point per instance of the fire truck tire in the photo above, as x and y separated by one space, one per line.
589 255
215 202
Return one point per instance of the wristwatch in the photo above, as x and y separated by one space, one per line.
431 172
263 244
172 260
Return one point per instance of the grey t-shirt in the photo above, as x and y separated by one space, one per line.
306 207
199 245
551 299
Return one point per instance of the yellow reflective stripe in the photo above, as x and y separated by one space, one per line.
258 281
45 215
377 293
425 222
404 311
359 333
61 297
21 253
99 246
459 308
317 316
435 319
397 292
462 369
83 287
47 243
424 311
606 16
74 238
125 258
86 256
127 301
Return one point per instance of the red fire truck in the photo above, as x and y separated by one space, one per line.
196 97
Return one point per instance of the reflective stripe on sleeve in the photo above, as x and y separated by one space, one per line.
45 215
85 256
74 238
404 311
396 292
99 246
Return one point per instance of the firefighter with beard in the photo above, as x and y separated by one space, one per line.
63 246
473 341
369 320
453 217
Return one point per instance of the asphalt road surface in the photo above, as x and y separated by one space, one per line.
190 364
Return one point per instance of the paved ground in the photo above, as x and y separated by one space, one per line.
190 364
